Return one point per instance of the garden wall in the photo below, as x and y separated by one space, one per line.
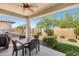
66 32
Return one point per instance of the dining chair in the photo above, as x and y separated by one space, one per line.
31 46
36 37
16 48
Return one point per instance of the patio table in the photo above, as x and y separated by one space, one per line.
23 42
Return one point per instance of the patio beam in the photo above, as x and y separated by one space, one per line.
8 13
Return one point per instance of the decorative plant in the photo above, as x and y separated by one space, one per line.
62 36
72 40
50 41
39 33
49 32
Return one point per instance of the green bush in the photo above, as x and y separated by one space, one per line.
50 41
62 36
72 40
44 40
39 33
49 32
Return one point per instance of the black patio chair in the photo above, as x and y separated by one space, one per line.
31 46
36 37
16 48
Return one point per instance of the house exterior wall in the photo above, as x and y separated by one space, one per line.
5 27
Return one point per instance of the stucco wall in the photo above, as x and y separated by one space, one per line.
5 26
66 32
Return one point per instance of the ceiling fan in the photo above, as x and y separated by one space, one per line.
30 7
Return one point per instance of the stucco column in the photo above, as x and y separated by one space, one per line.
28 29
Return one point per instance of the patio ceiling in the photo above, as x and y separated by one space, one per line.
15 9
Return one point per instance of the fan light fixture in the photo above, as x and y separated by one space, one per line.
26 6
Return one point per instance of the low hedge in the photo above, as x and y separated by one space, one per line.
50 41
62 36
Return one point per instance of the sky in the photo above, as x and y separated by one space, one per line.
36 20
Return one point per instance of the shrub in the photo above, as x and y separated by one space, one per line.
49 32
50 41
62 36
72 40
44 40
39 33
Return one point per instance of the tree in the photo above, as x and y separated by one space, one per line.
67 21
46 23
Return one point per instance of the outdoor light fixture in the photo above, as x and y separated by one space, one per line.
30 7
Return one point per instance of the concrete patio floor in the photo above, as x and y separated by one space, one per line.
44 51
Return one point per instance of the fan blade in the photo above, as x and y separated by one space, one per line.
31 10
33 5
24 5
25 9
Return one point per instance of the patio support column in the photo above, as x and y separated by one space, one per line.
28 29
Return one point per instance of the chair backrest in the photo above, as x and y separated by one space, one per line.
36 37
14 45
32 45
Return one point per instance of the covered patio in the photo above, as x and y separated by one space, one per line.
29 11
